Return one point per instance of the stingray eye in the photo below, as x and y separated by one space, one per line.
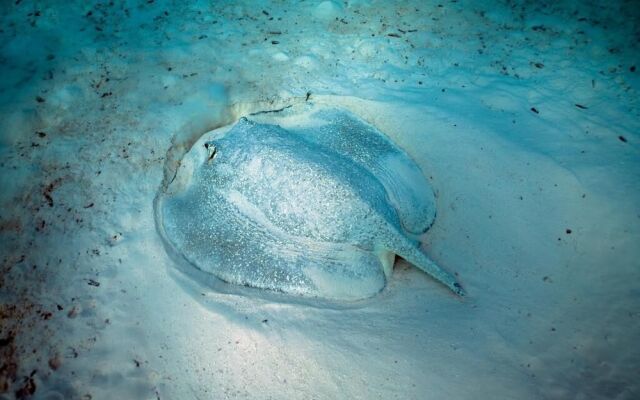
211 150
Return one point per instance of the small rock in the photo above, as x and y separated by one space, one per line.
55 362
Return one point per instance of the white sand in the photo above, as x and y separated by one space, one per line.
550 314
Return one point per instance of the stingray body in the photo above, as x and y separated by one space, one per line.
315 212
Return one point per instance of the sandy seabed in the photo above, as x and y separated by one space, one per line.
524 118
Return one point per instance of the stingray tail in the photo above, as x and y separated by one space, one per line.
416 257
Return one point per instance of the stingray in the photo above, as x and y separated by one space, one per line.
320 211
